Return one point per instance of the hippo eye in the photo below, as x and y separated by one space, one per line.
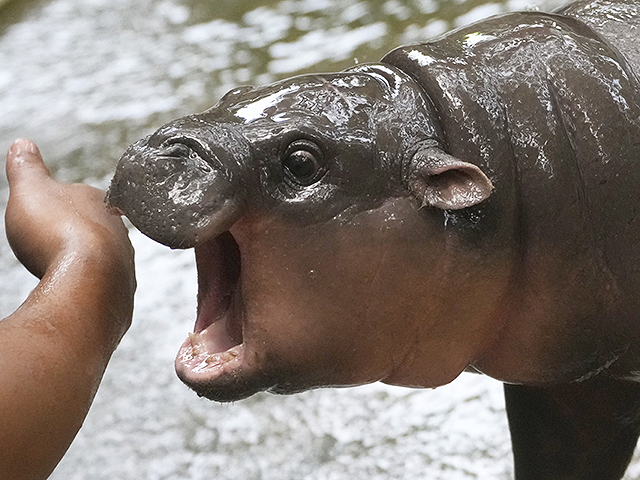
303 162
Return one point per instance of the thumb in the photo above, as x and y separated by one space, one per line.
24 163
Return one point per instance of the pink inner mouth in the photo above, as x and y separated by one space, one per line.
217 337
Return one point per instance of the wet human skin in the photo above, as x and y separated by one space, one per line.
467 203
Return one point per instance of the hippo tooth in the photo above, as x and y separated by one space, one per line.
211 359
195 346
228 356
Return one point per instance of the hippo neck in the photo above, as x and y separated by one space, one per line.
542 105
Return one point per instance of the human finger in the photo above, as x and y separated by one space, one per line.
24 163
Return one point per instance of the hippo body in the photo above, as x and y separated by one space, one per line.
468 203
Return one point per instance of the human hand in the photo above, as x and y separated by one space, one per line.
47 220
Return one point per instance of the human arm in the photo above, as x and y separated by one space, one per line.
55 347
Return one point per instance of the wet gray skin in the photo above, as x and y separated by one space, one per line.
467 203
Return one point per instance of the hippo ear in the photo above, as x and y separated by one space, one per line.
440 180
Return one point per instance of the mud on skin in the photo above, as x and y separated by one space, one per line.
466 203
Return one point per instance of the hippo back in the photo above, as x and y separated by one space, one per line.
618 21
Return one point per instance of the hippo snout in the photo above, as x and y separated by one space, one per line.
175 189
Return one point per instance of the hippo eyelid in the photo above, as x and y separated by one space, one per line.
303 144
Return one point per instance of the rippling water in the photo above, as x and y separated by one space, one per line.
84 78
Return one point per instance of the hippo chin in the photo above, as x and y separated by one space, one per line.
467 203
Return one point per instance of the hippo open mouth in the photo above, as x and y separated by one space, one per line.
216 343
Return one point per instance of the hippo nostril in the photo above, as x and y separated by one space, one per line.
177 151
186 146
196 152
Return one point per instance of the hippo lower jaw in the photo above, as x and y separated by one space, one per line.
214 352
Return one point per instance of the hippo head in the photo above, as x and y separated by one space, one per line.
310 204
